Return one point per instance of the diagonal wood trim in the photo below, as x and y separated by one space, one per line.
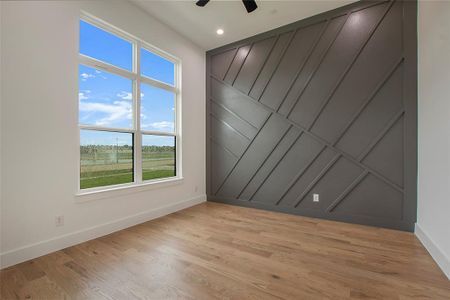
380 136
239 159
233 113
264 64
277 163
231 63
368 100
229 126
300 174
319 139
310 52
344 194
338 151
279 61
223 147
242 64
322 57
264 161
317 178
387 180
349 67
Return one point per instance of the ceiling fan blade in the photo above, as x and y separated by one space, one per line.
202 2
250 5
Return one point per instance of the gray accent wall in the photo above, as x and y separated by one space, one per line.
326 105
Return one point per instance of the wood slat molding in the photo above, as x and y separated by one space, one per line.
357 60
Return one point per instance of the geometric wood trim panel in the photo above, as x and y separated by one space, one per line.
325 106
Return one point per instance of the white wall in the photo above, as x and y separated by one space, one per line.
433 223
39 133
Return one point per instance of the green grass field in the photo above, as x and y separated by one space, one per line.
112 167
120 178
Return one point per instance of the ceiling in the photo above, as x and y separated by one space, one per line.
199 24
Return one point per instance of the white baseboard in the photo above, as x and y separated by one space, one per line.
28 252
438 255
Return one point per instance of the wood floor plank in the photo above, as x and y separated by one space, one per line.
218 251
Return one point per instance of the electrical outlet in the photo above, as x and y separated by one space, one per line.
59 221
315 197
196 189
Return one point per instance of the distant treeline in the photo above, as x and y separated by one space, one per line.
158 148
87 149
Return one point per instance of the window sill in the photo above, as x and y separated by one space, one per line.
116 191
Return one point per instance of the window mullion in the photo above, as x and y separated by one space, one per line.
177 127
97 64
103 128
137 113
158 133
158 84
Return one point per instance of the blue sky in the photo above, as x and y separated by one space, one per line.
106 100
156 67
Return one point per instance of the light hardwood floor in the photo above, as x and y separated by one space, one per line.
217 251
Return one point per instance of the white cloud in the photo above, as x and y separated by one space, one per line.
85 76
163 125
119 110
82 96
125 95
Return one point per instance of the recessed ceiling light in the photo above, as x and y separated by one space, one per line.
219 31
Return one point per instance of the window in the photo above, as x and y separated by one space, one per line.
128 99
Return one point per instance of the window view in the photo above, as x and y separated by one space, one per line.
157 109
106 158
158 156
105 99
97 43
111 98
156 67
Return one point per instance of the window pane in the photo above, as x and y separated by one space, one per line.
104 46
156 67
158 157
157 109
106 158
105 99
